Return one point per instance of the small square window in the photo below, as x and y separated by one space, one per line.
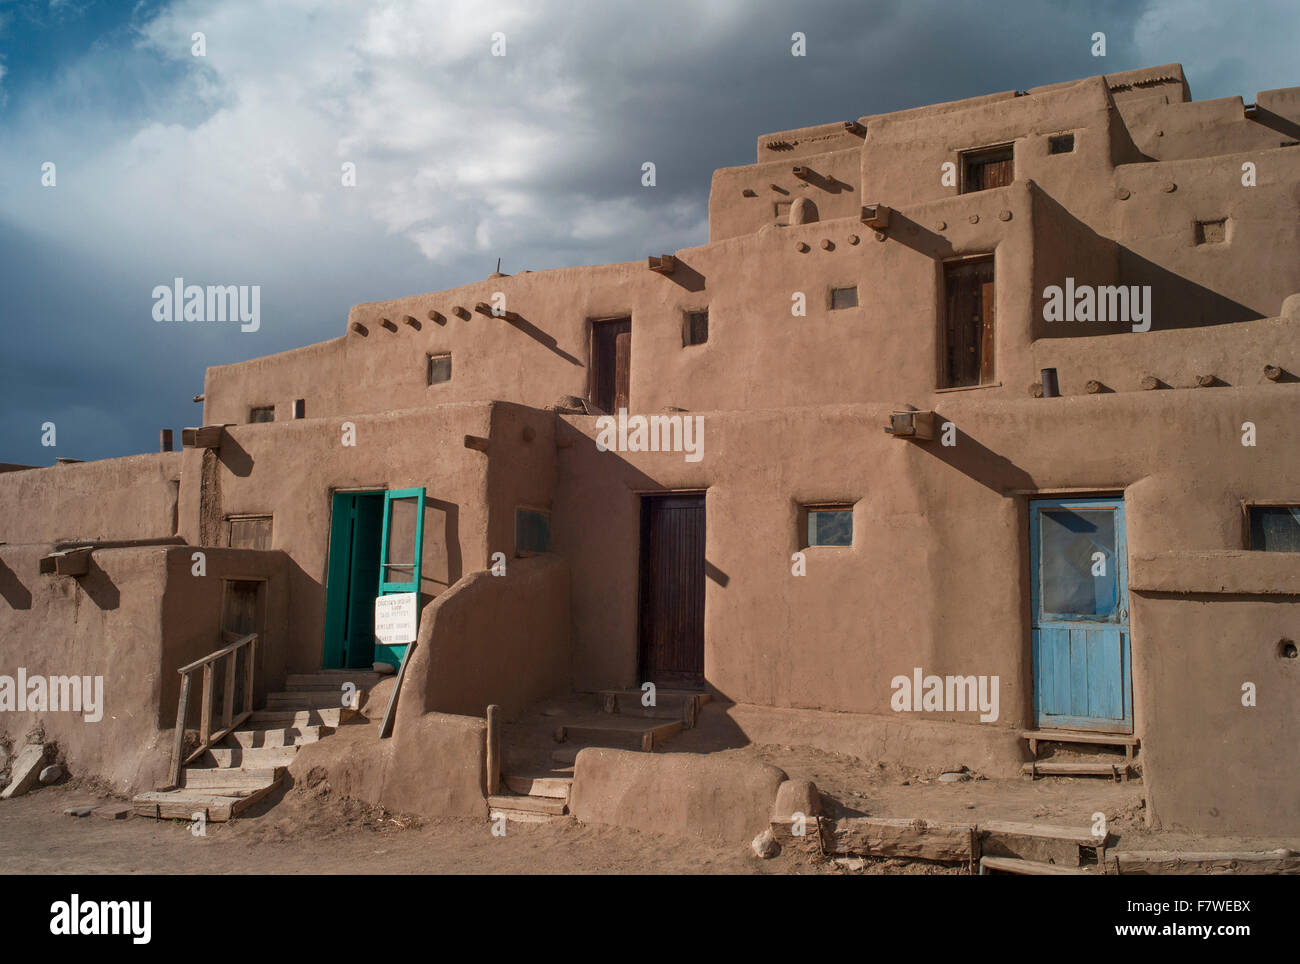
1060 144
829 525
1212 232
439 368
249 532
696 329
844 297
988 168
1275 528
783 210
532 531
262 413
300 408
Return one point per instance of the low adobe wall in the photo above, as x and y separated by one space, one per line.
715 798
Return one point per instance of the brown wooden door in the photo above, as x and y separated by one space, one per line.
672 590
611 363
968 325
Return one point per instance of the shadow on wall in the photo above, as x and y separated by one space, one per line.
1178 302
976 461
12 589
542 338
98 587
235 457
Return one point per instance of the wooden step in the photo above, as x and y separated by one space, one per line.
1043 843
183 804
310 699
332 680
525 816
229 778
241 757
681 705
276 717
281 737
554 787
632 735
1013 865
548 805
1080 736
1080 768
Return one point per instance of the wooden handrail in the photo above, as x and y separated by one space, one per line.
228 718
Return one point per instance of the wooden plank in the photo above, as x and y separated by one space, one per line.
1038 842
178 743
1078 736
554 787
205 708
494 750
386 726
893 837
228 694
1010 865
1282 861
218 736
250 664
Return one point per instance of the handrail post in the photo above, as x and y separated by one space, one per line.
178 747
250 663
205 714
228 696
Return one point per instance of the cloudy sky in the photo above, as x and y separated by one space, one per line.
226 168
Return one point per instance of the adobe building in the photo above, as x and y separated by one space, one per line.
1003 390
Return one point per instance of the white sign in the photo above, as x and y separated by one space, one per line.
396 618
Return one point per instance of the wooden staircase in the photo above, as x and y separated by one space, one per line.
535 794
250 761
1099 764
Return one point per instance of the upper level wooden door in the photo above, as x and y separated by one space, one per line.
672 590
968 323
611 363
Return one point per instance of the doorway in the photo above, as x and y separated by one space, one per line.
968 323
672 590
352 579
1080 624
611 364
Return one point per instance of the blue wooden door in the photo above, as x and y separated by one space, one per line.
401 550
1080 615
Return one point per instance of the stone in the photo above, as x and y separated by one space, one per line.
115 811
383 669
82 810
51 774
796 796
764 845
953 776
26 771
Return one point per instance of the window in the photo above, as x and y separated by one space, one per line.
844 297
249 532
783 211
987 168
300 408
611 364
1212 232
1274 528
1060 144
829 525
696 329
262 413
967 357
439 368
532 531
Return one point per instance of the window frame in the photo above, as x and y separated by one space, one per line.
967 156
809 509
521 553
429 357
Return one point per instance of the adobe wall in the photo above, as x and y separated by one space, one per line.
938 576
112 499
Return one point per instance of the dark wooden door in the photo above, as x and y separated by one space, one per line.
611 363
968 335
672 590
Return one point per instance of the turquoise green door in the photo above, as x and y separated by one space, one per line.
352 577
403 544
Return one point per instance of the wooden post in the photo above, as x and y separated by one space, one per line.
165 440
1272 372
205 709
178 746
228 694
250 662
493 749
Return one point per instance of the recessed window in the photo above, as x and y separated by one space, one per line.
439 368
844 297
829 525
532 531
987 168
1060 144
249 532
1275 528
783 211
1212 232
695 331
300 408
262 413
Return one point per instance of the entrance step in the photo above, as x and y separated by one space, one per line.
630 734
1119 770
681 705
1129 742
230 778
526 809
240 757
1014 865
310 699
282 737
556 788
277 717
218 807
332 679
